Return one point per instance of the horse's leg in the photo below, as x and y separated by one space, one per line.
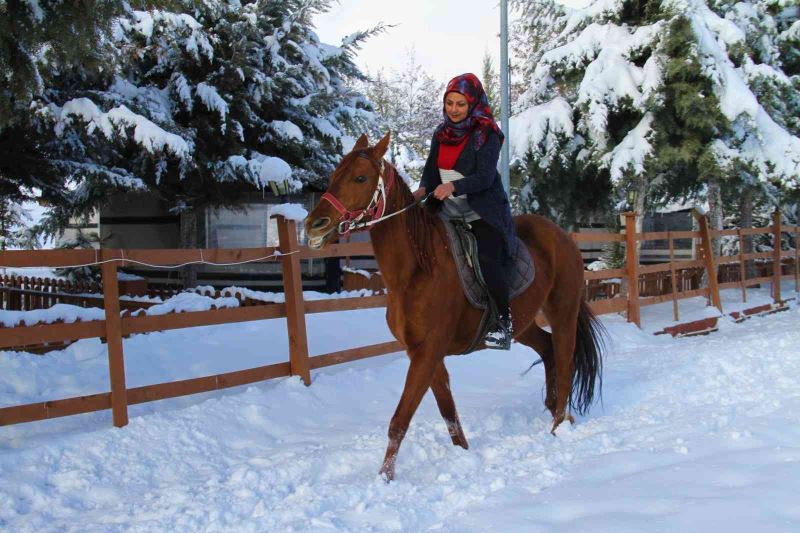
565 329
542 342
419 378
447 406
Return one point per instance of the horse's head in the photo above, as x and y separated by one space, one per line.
352 186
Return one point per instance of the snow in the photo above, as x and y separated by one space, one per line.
691 432
630 154
279 297
59 312
187 302
146 20
325 127
274 169
36 10
290 211
348 141
31 272
115 123
183 90
261 169
358 271
213 101
287 130
180 303
543 123
124 276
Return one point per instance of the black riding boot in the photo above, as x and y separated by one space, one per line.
495 265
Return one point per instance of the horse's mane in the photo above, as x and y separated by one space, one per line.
421 225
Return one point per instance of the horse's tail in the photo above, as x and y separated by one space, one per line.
589 345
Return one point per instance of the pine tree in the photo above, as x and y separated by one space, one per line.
207 103
674 99
40 44
203 103
15 231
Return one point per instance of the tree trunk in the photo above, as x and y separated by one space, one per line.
715 212
189 240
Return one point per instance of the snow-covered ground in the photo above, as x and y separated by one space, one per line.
693 434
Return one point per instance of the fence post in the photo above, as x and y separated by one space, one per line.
742 266
777 271
672 276
295 307
711 268
632 264
116 360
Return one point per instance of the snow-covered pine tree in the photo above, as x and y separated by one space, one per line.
671 98
40 43
14 226
208 102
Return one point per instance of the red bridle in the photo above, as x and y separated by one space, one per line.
351 221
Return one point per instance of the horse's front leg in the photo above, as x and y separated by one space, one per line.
419 378
447 406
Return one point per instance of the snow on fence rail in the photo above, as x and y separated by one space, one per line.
300 363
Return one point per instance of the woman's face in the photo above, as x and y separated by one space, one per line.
456 106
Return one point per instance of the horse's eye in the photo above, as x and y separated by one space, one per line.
361 179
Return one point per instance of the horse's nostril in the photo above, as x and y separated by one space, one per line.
320 223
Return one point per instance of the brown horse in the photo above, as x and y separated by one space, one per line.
426 307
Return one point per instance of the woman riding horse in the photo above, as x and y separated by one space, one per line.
461 170
426 308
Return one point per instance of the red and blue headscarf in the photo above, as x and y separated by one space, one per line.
479 116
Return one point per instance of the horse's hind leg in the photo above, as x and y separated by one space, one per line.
419 378
447 406
542 342
565 329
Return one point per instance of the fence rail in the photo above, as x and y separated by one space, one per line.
612 291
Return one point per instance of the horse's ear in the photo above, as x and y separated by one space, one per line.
362 142
382 146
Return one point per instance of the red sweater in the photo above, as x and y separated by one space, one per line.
448 154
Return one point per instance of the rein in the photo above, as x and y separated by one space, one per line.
354 221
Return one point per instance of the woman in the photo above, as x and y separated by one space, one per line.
461 170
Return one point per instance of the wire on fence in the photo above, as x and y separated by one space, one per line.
201 261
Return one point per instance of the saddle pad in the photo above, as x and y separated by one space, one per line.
521 277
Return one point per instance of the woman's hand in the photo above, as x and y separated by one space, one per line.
443 191
419 193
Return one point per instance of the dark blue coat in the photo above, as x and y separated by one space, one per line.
481 183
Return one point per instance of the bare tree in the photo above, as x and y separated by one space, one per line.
409 103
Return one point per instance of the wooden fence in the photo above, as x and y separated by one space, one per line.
681 276
680 279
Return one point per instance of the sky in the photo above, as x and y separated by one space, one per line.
448 37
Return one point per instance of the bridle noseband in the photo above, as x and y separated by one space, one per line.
351 221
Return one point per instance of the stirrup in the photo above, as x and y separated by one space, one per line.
500 337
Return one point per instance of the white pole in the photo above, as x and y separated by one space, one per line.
504 95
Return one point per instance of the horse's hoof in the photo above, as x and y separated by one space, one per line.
387 473
556 422
571 420
457 435
463 443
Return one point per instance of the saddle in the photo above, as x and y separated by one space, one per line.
464 248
